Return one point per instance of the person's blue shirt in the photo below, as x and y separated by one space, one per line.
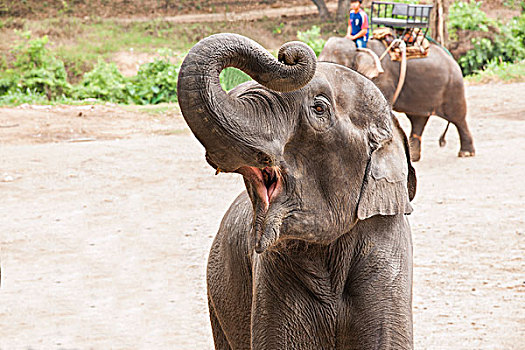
359 21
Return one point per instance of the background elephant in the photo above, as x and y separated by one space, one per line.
317 252
433 86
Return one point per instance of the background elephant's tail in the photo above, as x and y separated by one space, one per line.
442 141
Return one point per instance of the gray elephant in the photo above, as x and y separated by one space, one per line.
433 86
317 252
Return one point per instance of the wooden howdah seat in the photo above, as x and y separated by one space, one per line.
408 21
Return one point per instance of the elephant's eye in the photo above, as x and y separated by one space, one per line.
319 109
320 105
320 113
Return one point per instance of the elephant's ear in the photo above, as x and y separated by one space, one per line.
390 180
367 63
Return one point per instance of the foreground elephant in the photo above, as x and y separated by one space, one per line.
433 86
317 253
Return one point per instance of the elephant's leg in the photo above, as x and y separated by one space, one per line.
219 338
418 125
229 278
456 113
465 138
379 287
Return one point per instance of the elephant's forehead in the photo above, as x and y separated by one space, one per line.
353 94
345 80
326 67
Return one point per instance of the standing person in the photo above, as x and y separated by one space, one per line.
357 24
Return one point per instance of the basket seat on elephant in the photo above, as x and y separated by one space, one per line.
419 48
408 21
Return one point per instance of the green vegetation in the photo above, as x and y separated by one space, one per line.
312 37
231 77
467 16
515 4
499 71
155 82
503 42
81 44
38 76
77 66
278 29
35 71
104 83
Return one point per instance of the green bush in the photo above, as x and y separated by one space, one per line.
312 37
475 59
36 76
17 97
155 82
104 82
508 46
516 28
467 16
35 69
515 4
499 71
8 80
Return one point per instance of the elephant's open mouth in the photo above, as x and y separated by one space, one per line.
264 187
266 183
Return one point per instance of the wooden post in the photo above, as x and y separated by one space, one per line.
438 21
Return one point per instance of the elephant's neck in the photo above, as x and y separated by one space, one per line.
298 291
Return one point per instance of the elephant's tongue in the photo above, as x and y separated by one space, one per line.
265 184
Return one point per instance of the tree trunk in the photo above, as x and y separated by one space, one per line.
438 21
343 6
323 10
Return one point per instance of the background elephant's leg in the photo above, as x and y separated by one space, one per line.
456 113
465 138
219 338
418 125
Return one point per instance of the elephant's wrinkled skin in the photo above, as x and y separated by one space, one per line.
433 86
317 253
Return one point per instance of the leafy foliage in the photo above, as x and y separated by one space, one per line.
104 82
34 74
476 58
515 4
17 97
35 69
467 16
312 37
155 82
497 71
508 46
37 76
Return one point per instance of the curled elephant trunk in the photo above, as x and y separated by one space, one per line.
233 130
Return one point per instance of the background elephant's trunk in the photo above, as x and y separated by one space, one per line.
232 129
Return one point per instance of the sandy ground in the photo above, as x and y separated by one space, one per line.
106 219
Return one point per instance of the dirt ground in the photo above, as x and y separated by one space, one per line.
107 215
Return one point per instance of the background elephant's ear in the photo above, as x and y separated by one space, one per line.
390 182
367 63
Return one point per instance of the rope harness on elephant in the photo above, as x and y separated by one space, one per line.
398 43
